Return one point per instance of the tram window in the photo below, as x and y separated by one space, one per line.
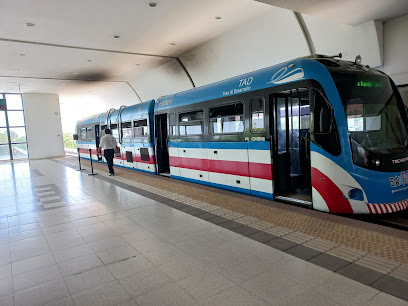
141 128
172 124
127 129
191 123
89 133
83 133
227 119
103 128
257 115
114 130
324 132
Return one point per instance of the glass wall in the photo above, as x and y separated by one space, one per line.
13 140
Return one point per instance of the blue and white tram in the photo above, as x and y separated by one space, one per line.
318 131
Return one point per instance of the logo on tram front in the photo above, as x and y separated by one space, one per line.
398 180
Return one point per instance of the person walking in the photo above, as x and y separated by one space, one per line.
109 145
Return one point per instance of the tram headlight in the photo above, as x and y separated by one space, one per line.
377 162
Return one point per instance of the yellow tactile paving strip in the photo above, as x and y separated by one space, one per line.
389 243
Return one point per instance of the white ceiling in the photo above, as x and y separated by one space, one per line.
351 12
68 33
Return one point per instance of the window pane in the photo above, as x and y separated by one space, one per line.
4 152
83 133
127 132
20 150
3 119
257 118
14 102
191 123
89 133
15 118
3 136
18 135
227 119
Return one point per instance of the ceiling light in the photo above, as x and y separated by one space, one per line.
153 4
74 73
116 36
12 82
217 17
29 24
15 69
118 75
21 54
62 84
89 60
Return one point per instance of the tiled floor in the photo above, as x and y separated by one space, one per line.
101 244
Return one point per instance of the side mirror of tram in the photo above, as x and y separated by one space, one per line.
75 136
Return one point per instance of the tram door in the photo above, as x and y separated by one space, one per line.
162 150
292 171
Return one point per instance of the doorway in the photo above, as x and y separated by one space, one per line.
13 140
291 126
162 149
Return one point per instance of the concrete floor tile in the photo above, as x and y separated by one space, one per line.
26 252
205 285
144 281
137 236
129 266
33 263
5 271
24 228
108 294
106 244
6 286
88 280
171 294
7 300
361 274
78 265
329 262
35 278
181 268
66 301
72 253
42 294
117 254
150 244
344 290
303 252
166 254
66 243
234 296
394 286
382 299
37 240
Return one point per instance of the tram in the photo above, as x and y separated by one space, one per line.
316 131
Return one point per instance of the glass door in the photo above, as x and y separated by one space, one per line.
13 140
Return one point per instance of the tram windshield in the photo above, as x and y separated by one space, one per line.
376 116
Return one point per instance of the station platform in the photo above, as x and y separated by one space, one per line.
67 238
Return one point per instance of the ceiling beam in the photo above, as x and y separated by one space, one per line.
83 48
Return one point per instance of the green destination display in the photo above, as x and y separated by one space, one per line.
3 104
369 84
